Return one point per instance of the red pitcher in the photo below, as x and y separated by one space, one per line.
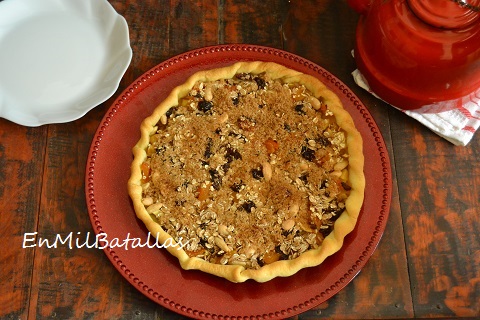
419 52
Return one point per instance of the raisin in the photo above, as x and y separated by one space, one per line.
248 206
237 186
205 106
283 256
346 187
299 109
257 173
287 127
235 101
216 179
323 141
171 111
285 233
208 149
307 153
323 184
232 154
203 242
225 167
304 177
260 83
180 203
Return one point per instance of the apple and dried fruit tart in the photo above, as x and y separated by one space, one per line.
254 168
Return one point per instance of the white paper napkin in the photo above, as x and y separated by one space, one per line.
458 121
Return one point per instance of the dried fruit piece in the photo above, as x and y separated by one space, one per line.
271 257
208 149
257 173
145 172
216 179
205 106
203 192
260 83
307 153
232 154
237 186
248 206
271 145
299 108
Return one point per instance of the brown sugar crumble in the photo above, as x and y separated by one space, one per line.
248 170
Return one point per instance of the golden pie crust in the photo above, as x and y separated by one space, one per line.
254 170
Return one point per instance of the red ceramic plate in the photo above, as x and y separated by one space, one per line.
192 293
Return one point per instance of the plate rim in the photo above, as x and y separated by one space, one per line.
142 82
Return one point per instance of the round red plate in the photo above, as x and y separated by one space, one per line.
192 293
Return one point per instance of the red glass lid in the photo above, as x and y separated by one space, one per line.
448 14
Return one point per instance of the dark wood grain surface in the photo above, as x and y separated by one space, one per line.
427 264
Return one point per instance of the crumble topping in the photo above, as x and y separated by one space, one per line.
248 170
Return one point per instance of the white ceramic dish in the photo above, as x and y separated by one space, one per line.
59 58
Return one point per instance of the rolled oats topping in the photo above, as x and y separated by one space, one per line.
249 170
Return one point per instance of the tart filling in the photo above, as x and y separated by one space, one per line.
256 167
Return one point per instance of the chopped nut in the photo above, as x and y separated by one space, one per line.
340 165
267 171
222 245
154 207
249 252
223 230
304 166
294 208
336 173
316 104
288 224
208 94
223 118
147 201
163 119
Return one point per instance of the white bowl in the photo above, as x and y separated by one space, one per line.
59 58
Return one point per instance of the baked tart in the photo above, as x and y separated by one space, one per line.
250 171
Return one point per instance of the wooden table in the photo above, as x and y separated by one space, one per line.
426 265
